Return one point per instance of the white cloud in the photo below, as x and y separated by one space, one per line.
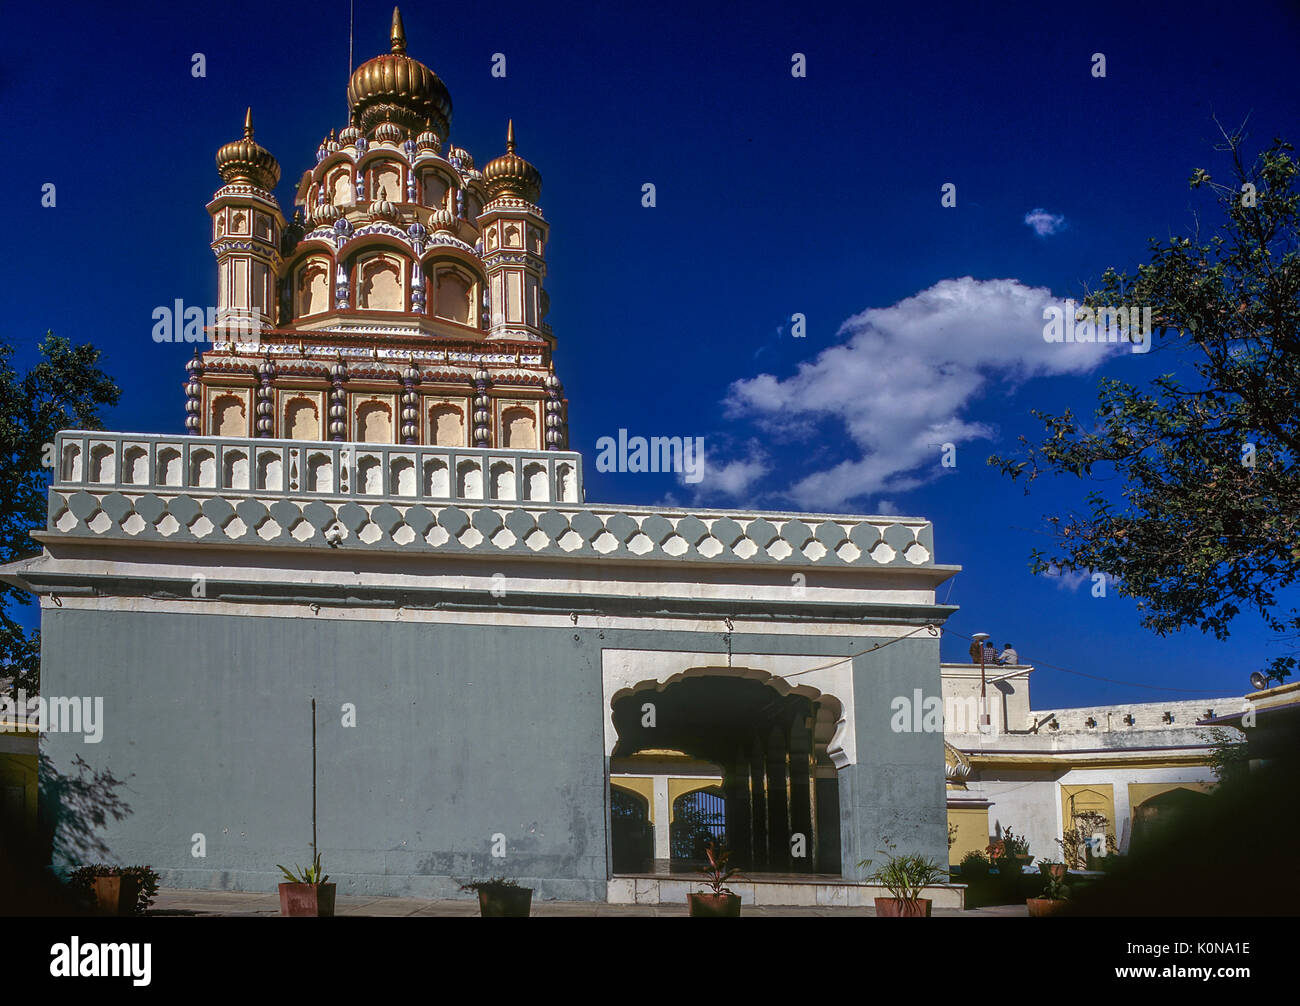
1069 579
732 479
1044 224
901 379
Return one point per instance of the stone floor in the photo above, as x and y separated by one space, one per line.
175 902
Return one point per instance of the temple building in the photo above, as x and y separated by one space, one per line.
373 507
402 304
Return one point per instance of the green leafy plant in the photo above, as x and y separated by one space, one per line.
1076 842
1055 890
306 875
974 864
495 884
1015 845
717 871
82 880
905 876
1229 759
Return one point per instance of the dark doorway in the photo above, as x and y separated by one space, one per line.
778 809
630 832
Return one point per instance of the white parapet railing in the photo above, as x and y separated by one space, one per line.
138 463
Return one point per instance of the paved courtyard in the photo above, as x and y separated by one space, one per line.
173 902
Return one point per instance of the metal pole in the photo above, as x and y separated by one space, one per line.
313 780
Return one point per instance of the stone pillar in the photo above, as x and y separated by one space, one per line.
264 413
194 395
481 403
663 813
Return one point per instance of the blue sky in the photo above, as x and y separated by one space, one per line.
776 195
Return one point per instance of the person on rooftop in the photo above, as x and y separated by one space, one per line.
1009 657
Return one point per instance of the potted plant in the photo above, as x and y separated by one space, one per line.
719 902
116 890
1054 898
1017 848
1051 868
500 898
307 893
904 877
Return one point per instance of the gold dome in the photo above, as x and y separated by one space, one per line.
392 87
247 161
511 175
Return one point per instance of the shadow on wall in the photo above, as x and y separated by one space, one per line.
1231 853
73 811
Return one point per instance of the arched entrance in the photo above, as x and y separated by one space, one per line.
629 822
776 806
1162 812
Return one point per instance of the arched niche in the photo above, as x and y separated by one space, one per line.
381 281
374 423
453 295
312 286
229 416
519 428
302 419
446 425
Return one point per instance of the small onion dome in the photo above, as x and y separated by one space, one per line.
393 87
194 365
332 145
412 372
325 213
460 157
552 382
248 161
481 376
388 132
339 370
511 175
442 220
381 208
428 140
349 136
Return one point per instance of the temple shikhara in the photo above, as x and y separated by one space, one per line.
373 506
402 304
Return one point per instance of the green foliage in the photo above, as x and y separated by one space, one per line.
495 884
309 875
717 871
1197 527
904 877
1015 845
81 880
1076 842
1056 890
974 864
63 390
1229 758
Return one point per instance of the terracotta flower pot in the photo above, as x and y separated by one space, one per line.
115 895
714 906
1039 907
307 901
898 908
505 902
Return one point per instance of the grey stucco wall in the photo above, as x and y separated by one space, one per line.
897 788
462 732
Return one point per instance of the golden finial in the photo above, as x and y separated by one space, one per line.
510 137
399 33
248 123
